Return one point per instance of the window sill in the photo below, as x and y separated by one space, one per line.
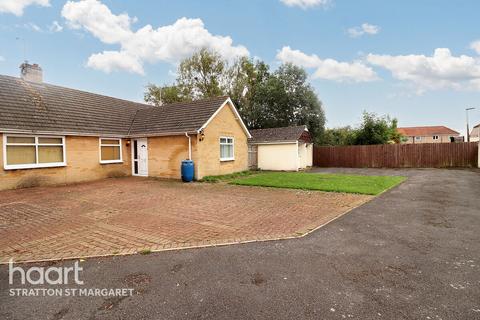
111 162
227 159
39 166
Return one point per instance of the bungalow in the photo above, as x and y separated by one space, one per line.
55 135
285 148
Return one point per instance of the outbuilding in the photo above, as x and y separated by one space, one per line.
281 149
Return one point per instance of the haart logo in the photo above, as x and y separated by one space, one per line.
42 275
36 282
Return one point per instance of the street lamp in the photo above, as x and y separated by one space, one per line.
468 127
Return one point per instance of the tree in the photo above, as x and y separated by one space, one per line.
377 130
203 75
395 135
163 95
264 99
373 130
285 98
342 136
245 77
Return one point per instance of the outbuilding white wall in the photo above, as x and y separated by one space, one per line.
305 154
302 155
285 157
309 161
278 157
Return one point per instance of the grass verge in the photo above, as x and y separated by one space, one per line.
371 185
228 177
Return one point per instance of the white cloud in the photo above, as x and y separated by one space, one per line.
365 28
95 17
475 46
55 27
109 61
328 69
442 70
305 4
17 7
169 43
30 26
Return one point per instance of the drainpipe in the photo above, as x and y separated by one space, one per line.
189 146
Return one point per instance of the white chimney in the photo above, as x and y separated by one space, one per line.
31 72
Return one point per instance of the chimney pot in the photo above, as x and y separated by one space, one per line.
31 72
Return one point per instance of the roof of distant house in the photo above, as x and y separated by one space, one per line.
32 107
475 131
426 131
281 134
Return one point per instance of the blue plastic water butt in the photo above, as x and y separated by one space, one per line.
187 170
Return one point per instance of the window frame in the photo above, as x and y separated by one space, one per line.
418 138
436 137
36 144
100 145
232 158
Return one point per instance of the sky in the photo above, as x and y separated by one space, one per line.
417 61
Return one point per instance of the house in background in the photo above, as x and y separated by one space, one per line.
475 134
286 148
55 135
429 134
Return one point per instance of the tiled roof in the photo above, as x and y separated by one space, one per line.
277 134
177 117
426 131
41 107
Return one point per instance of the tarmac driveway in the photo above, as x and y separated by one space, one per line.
411 253
128 215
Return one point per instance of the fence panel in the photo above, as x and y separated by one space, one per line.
421 155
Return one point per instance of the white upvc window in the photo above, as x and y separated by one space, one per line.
227 149
435 137
28 151
110 150
417 138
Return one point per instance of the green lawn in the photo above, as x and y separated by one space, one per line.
371 185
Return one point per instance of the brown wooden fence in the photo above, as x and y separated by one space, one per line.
425 155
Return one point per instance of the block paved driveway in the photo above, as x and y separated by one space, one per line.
411 253
122 216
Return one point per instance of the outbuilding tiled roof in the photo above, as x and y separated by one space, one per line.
40 107
281 134
426 131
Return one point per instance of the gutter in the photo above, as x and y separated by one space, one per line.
162 134
63 133
94 134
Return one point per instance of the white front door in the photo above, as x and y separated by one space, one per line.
140 157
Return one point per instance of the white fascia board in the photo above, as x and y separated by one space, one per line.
239 118
275 142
